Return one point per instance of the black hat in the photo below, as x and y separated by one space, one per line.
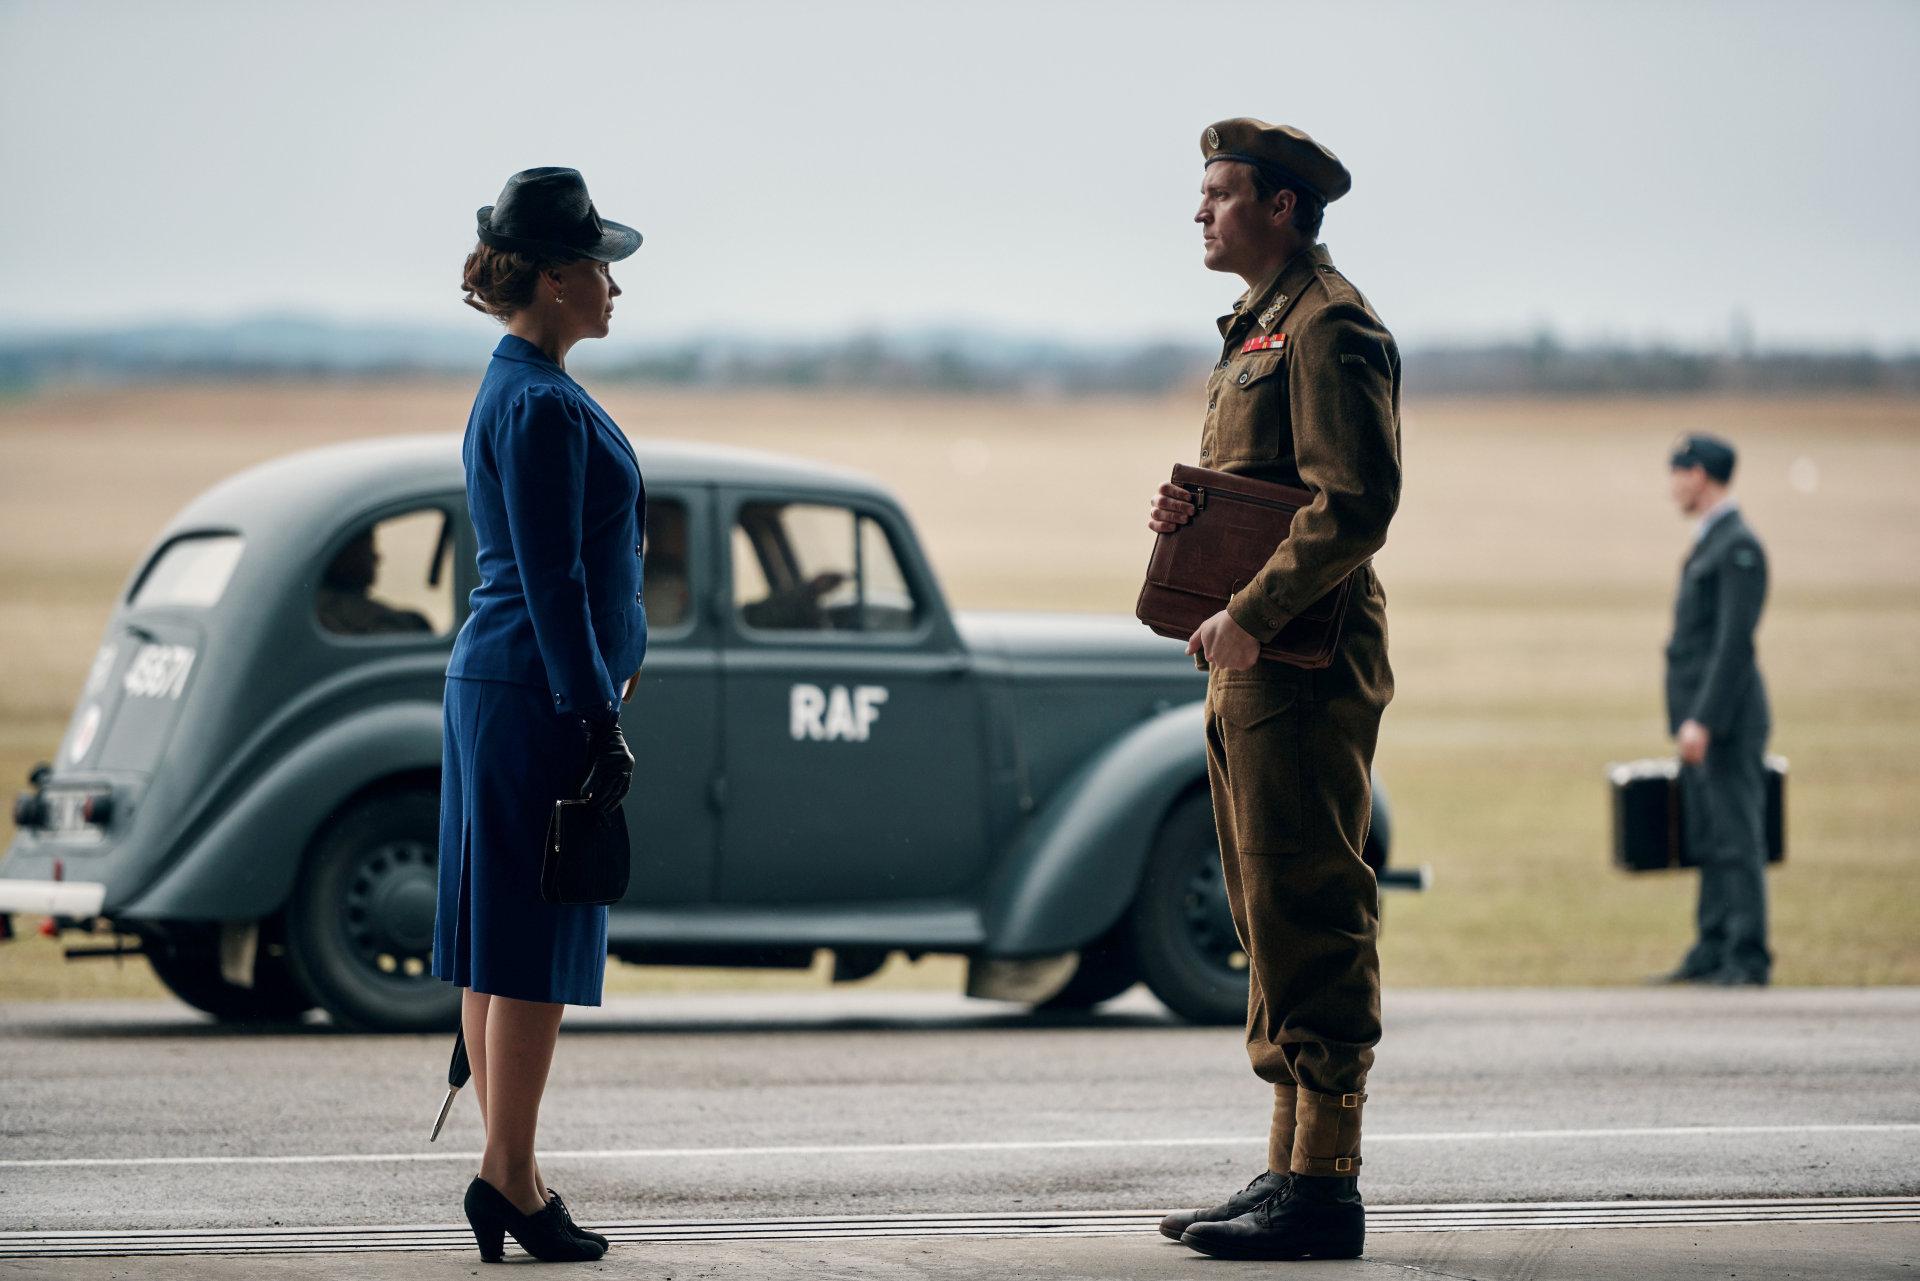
1712 454
547 211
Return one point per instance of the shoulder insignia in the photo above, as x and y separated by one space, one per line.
1745 557
1264 342
1366 351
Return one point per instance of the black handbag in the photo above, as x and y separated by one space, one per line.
588 860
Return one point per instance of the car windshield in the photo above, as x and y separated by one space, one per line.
192 570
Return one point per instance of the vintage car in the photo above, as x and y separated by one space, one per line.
828 757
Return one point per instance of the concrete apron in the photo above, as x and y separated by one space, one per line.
1867 1237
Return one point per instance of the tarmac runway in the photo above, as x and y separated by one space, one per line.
871 1134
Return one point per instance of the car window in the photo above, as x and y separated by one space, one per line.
665 573
817 567
394 577
189 571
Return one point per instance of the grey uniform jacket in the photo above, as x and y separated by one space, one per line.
1712 675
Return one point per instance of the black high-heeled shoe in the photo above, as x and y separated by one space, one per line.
553 1199
543 1234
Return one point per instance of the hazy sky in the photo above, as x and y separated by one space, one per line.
1633 170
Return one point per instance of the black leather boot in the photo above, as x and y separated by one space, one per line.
1264 1186
1312 1217
543 1234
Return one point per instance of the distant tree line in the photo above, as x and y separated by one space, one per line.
874 362
950 361
1547 367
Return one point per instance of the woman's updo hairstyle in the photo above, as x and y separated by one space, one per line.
501 281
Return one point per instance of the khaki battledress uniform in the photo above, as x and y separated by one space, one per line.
1307 392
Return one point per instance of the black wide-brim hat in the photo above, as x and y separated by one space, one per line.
547 211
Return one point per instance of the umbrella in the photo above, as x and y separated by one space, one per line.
458 1072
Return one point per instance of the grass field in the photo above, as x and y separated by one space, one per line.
1529 577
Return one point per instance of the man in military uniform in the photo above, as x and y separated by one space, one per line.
1717 712
1307 393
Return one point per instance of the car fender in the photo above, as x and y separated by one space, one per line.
243 867
1073 870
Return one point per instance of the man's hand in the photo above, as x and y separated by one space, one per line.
1693 740
1172 507
1226 644
632 686
822 583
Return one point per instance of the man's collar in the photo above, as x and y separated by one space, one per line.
1278 289
1714 515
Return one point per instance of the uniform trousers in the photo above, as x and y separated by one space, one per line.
1289 761
1724 800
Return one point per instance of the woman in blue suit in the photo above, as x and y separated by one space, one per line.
532 708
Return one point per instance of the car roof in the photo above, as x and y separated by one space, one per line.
321 483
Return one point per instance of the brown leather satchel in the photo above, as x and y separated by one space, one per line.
1237 523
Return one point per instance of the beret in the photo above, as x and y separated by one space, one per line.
1286 154
1698 449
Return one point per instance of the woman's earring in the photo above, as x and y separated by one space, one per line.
560 299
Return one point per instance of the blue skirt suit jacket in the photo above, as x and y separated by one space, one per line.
555 626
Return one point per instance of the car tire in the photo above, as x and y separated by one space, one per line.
188 963
360 924
1182 932
1106 970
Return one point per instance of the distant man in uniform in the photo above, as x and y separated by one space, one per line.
1306 392
1717 712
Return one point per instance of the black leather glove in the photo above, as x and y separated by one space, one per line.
609 764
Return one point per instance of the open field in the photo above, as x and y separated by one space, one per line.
1528 577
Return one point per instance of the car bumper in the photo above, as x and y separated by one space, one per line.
1418 879
77 899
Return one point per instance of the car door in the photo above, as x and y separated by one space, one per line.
673 723
852 749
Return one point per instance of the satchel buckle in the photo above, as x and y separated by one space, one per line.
1199 498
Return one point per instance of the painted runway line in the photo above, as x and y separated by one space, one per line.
1009 1145
1482 1217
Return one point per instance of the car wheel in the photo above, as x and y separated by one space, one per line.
360 926
1106 970
1183 936
188 962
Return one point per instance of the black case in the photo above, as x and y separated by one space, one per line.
1649 825
588 859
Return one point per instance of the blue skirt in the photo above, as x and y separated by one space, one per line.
505 758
